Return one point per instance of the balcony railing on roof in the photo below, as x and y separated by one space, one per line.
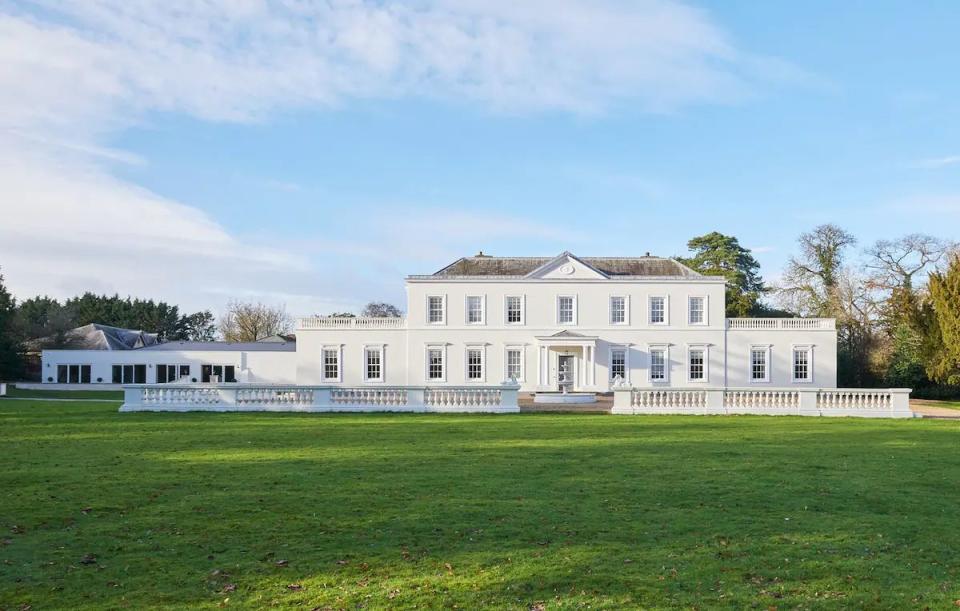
782 324
347 322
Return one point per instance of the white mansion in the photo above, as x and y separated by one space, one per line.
585 324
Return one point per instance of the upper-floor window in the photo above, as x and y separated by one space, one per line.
474 364
801 364
435 364
331 364
618 310
514 308
697 309
475 313
758 364
697 367
436 310
373 364
566 310
658 310
658 364
618 363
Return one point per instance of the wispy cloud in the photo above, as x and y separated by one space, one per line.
75 73
762 249
947 204
938 162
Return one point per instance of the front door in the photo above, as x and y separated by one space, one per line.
566 372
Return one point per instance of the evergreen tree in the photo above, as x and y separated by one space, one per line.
715 254
10 344
944 365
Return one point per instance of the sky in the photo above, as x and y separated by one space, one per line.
312 154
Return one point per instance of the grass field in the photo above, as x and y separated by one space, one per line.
101 510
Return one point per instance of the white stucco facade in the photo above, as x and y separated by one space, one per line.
584 323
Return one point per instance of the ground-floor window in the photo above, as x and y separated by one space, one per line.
658 364
172 373
435 364
331 364
697 367
129 374
758 364
73 374
514 361
225 373
474 364
801 364
618 363
373 364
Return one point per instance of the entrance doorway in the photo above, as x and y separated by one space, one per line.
566 372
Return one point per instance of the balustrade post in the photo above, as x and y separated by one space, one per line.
321 399
900 403
622 400
715 403
132 399
509 395
808 405
416 399
228 397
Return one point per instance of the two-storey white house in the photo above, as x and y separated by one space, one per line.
583 323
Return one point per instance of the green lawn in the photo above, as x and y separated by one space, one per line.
103 510
64 394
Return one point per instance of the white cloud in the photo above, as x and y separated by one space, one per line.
72 74
938 162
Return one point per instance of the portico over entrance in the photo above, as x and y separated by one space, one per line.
566 361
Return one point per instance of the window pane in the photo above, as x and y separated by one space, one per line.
435 309
658 369
117 374
73 372
374 363
801 364
184 372
758 364
128 374
618 310
435 364
513 309
205 372
331 364
618 364
566 310
696 310
162 374
139 374
474 364
657 312
62 374
474 309
85 374
514 358
229 374
696 364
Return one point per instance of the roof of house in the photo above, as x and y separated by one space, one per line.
104 337
485 265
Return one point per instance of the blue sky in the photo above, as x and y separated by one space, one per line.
320 179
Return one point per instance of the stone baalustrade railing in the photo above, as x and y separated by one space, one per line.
350 322
782 324
869 403
291 398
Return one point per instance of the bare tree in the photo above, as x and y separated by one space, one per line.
379 309
894 263
811 279
249 322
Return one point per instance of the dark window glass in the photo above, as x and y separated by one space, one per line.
228 374
184 371
84 374
139 374
62 374
161 374
117 374
205 372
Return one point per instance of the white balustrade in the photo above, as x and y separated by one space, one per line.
262 397
781 324
350 322
870 403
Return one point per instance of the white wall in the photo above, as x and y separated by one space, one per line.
781 342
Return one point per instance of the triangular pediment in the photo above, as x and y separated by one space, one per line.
566 266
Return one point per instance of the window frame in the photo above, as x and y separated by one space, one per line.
123 373
665 349
626 361
443 310
573 312
178 369
705 349
794 348
767 350
483 310
506 310
666 311
507 349
482 349
382 350
626 310
79 371
338 349
705 300
442 349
